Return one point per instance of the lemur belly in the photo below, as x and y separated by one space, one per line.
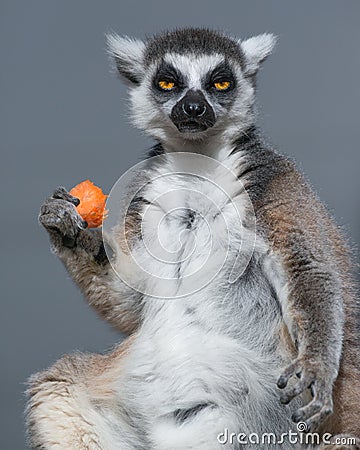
194 378
193 367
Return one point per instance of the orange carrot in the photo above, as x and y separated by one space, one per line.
92 203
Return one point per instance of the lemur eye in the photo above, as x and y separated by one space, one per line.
166 85
222 85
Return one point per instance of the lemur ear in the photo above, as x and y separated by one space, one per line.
128 55
256 49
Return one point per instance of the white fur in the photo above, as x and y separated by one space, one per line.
256 49
194 67
129 50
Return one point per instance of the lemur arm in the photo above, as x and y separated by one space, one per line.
301 233
83 254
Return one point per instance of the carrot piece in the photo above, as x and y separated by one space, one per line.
92 203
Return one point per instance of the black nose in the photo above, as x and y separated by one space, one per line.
194 109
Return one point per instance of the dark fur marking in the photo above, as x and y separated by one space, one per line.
190 218
193 40
122 67
262 164
156 150
222 72
167 72
68 242
183 415
101 257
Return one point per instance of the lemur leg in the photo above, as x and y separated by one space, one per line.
73 405
83 253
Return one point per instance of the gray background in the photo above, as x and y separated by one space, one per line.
63 118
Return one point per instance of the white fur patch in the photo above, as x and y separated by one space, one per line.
256 49
128 50
194 67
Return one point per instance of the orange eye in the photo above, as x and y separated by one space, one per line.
222 85
166 85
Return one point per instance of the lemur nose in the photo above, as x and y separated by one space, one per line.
194 109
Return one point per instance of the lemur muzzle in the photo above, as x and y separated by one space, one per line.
193 113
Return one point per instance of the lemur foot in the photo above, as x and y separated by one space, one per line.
59 217
311 375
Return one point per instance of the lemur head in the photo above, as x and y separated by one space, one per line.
191 83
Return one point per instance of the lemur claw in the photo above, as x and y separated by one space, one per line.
312 377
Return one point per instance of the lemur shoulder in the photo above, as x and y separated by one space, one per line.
276 345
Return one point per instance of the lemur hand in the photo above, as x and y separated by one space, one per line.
59 217
314 376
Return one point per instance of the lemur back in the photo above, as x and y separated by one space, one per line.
225 269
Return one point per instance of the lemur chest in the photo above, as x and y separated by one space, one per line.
196 224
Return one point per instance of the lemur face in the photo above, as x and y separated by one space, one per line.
194 92
191 83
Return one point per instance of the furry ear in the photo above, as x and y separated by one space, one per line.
128 55
256 49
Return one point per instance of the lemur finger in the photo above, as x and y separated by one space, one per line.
62 225
320 404
61 207
61 193
293 368
315 420
60 235
321 395
312 410
50 221
307 411
62 217
296 390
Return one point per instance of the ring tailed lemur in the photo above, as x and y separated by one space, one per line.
222 359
